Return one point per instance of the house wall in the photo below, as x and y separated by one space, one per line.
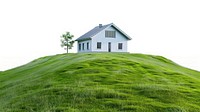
85 46
100 37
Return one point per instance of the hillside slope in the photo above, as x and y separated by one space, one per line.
100 82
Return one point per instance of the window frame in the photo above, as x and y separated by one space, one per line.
79 46
110 34
120 46
98 45
83 46
87 45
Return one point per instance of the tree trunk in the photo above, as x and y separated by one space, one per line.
67 46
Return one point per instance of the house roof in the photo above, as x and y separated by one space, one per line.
97 29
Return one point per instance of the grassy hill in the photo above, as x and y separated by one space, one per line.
100 82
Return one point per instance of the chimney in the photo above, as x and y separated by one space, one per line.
100 25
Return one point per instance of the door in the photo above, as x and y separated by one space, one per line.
109 46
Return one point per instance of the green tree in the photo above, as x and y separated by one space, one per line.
66 41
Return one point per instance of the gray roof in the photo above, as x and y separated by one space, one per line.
97 29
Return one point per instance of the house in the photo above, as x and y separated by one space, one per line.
103 38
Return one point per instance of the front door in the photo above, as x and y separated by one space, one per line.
109 46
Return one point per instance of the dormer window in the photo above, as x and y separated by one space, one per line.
110 34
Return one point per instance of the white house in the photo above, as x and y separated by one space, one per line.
103 38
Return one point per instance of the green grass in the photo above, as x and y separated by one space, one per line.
100 82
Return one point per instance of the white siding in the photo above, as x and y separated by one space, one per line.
85 46
100 37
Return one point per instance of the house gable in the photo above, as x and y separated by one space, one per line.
114 41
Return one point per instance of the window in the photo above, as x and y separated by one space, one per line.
83 46
79 47
119 45
111 34
98 45
87 45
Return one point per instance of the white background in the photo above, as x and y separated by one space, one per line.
30 29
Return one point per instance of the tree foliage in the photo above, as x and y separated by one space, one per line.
66 41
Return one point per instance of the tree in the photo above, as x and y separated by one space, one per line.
66 41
